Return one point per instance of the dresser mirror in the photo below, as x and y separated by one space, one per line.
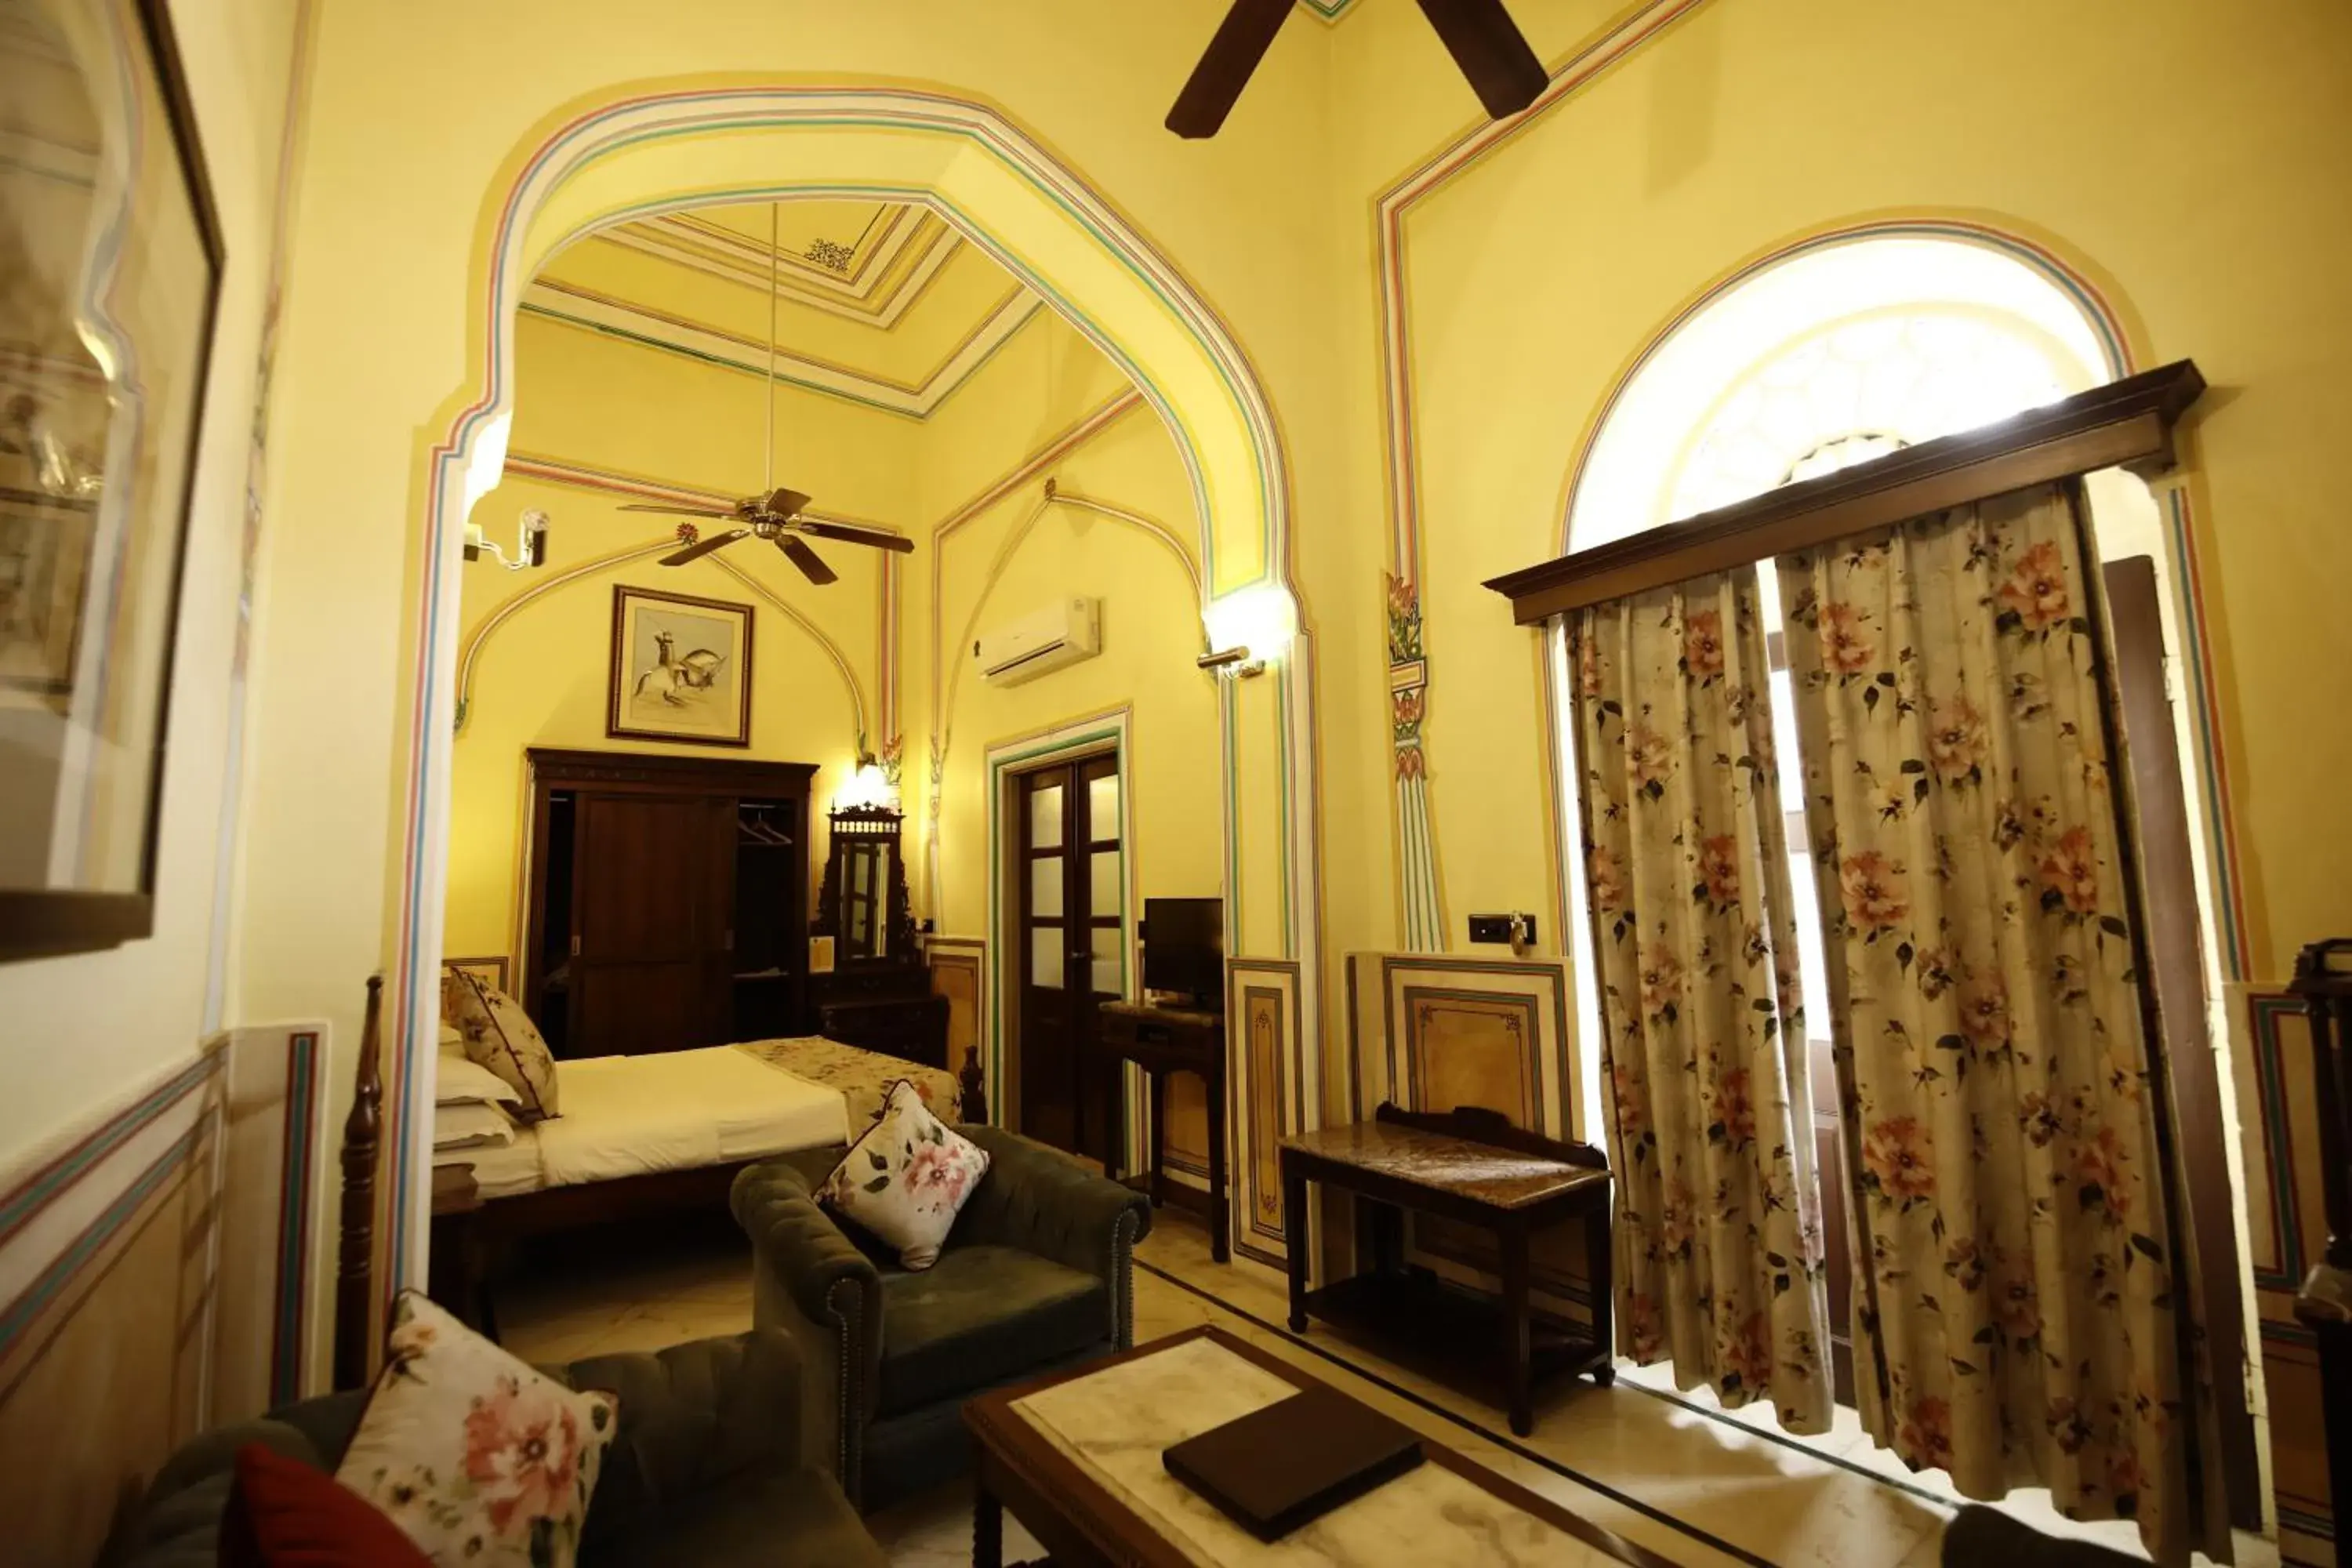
863 902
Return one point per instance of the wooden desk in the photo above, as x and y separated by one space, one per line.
1162 1040
1472 1166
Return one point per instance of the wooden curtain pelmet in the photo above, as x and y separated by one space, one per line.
2126 423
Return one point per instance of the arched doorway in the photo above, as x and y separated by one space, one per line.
633 156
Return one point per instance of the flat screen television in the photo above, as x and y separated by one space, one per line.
1184 949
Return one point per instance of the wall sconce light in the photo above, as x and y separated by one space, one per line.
867 786
530 545
1236 659
1249 627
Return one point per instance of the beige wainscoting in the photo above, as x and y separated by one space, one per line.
1265 1069
1431 1033
156 1278
959 973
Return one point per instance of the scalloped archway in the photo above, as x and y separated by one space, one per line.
629 156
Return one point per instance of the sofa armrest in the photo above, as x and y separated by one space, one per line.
693 1417
178 1522
811 1282
796 1243
1042 1201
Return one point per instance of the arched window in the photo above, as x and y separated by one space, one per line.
1838 354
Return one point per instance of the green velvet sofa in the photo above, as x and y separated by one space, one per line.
1036 1275
707 1470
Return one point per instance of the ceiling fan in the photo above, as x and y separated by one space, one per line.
775 514
1478 34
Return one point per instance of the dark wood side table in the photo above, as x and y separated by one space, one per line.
1473 1166
1162 1040
458 1279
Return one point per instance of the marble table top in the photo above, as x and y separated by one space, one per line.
1116 1423
1479 1172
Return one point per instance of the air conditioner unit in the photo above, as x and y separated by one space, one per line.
1052 639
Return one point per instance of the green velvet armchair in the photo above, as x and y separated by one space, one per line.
706 1471
1036 1275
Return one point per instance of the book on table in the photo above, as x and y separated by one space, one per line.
1293 1461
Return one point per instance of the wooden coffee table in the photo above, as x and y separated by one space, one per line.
1075 1457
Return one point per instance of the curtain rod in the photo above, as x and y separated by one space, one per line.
2126 423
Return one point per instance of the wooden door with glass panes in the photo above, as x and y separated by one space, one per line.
1070 920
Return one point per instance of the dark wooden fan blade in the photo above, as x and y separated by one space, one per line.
701 548
785 503
849 533
1241 40
1491 51
811 563
676 511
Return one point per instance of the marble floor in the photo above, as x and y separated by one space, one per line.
1671 1471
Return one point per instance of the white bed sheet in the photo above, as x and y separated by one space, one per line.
505 1171
669 1110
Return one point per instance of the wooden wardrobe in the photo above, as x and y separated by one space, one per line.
669 900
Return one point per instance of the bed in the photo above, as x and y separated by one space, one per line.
721 1107
663 1133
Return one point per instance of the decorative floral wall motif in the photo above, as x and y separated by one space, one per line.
1425 917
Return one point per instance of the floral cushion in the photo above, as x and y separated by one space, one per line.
907 1178
480 1459
500 1036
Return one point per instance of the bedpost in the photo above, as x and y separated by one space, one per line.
973 1104
362 1131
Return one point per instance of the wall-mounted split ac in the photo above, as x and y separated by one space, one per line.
1052 639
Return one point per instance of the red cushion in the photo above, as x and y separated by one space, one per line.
283 1513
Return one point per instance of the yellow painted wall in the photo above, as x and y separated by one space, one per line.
85 1034
2189 158
587 399
1242 218
1152 634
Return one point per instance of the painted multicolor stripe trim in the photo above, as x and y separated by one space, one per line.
53 1179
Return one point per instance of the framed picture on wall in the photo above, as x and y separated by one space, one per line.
110 276
681 669
490 971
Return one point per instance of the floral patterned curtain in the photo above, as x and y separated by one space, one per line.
1717 1235
2013 1317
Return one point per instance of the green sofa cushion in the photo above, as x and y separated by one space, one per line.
977 1317
796 1521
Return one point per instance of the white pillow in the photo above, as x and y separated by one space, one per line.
907 1178
478 1459
460 1081
453 1039
471 1125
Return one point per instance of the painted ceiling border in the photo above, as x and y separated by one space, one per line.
573 305
891 296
